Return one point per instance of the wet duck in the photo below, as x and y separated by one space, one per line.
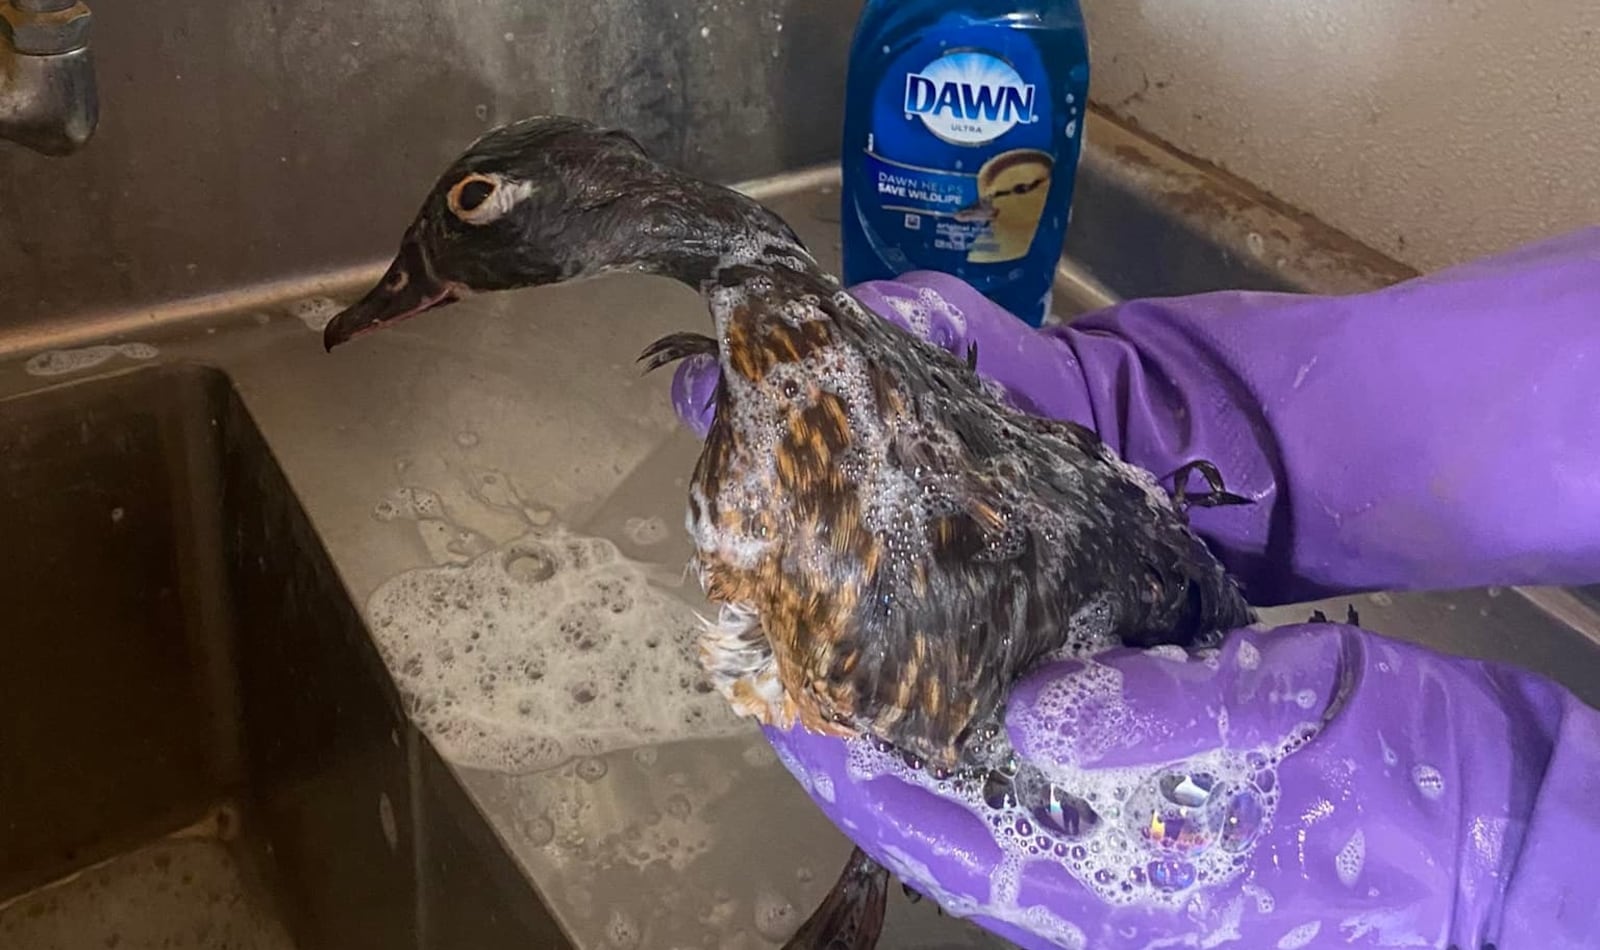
890 544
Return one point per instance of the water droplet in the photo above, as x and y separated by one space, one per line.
1242 816
1180 813
1428 781
1351 857
1064 813
538 831
386 820
1188 791
1171 875
775 917
678 806
531 566
997 791
1300 936
622 931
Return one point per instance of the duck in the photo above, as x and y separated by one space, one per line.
889 544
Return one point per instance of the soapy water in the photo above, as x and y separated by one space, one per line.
1037 919
315 312
775 917
1428 781
645 531
621 931
1300 936
446 542
552 647
1149 836
1265 902
919 315
62 362
1350 859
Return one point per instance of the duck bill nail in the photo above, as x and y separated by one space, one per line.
407 289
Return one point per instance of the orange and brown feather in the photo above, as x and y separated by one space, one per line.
912 633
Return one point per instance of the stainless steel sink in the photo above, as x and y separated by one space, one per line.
276 494
200 746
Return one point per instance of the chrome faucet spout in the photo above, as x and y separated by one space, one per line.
49 100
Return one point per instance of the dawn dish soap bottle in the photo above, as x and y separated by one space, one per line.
963 126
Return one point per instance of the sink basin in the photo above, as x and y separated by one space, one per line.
201 747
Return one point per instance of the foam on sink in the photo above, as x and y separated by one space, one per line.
61 362
547 648
315 312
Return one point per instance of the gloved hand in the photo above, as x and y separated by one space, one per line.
1318 785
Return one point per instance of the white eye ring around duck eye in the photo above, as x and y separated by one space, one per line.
480 198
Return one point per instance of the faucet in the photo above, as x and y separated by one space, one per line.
48 98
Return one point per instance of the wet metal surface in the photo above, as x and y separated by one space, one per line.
477 434
200 746
242 141
176 894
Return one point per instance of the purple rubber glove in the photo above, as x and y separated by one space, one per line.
1316 786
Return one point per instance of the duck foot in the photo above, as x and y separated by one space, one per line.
851 916
1216 497
1350 616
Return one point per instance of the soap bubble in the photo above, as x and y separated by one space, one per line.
1064 813
1171 874
1428 781
531 653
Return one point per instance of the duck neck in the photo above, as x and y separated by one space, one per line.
679 227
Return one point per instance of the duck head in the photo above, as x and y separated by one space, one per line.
529 203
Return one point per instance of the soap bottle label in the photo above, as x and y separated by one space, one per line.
958 153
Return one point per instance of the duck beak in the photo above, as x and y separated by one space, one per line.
408 287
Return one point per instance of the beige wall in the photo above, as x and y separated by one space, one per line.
1434 130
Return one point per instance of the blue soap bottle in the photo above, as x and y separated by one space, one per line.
963 126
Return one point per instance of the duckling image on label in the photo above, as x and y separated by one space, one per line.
1012 188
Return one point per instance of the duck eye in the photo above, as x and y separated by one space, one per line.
473 192
471 198
480 198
